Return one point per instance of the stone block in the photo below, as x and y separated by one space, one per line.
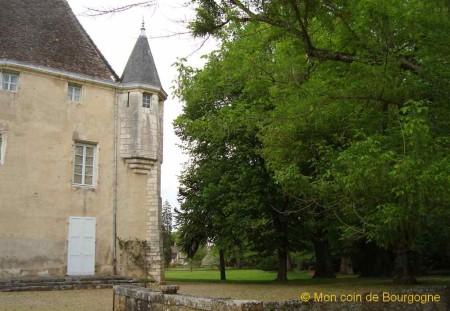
169 289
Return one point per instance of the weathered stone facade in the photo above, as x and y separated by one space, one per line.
93 162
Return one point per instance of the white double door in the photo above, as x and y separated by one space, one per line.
81 246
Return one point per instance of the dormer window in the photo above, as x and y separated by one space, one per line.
74 92
10 81
146 100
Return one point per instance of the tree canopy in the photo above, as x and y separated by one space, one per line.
328 117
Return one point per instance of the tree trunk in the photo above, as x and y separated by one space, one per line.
404 269
324 268
283 243
372 261
282 265
289 263
222 265
346 265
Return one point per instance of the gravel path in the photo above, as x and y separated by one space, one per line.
267 292
65 300
101 299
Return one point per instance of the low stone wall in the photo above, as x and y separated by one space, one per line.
131 298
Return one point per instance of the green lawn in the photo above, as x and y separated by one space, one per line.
300 278
250 275
260 285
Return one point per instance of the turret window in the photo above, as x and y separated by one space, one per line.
74 93
146 100
10 81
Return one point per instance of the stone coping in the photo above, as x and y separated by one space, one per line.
132 298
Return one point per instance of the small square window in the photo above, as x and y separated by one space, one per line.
84 165
10 81
74 93
146 100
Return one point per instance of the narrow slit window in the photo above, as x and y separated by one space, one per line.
146 100
1 148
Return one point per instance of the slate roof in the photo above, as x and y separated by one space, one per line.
141 67
47 33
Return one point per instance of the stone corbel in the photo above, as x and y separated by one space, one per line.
140 165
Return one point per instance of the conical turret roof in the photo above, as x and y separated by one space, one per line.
141 67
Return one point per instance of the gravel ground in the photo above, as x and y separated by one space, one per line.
66 300
101 299
266 292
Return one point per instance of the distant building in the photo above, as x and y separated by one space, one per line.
177 256
80 149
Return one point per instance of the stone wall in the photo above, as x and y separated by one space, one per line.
141 139
130 298
37 190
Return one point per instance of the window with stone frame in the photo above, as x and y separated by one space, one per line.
146 100
84 165
10 81
74 92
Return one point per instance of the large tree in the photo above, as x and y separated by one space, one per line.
220 127
166 216
359 128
